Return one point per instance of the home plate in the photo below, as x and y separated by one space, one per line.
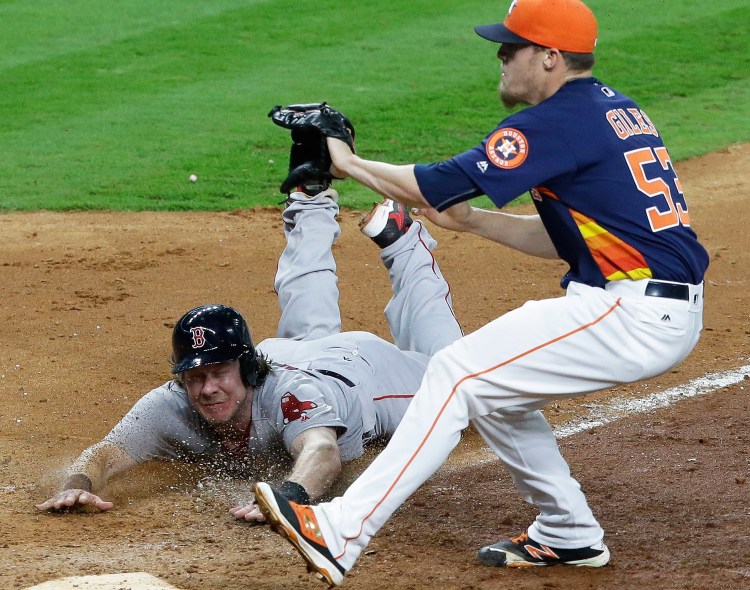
130 581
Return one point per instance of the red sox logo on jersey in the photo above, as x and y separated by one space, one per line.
294 409
507 148
199 337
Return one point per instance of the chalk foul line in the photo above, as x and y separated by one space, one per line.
619 407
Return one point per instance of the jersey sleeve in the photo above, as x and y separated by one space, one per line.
517 156
160 426
444 184
302 400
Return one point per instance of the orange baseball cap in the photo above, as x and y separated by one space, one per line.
567 25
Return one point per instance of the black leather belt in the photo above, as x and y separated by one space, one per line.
669 290
336 376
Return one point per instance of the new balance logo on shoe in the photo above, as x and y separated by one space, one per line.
541 552
524 552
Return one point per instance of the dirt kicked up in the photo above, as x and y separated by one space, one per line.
89 300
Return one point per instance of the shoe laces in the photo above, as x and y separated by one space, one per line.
520 539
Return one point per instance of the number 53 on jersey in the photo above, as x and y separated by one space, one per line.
659 183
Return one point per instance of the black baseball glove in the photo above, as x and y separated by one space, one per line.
309 163
315 116
309 159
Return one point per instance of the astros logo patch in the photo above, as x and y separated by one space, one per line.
507 148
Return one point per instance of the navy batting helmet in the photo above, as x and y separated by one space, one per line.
212 334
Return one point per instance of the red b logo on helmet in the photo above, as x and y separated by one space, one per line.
199 339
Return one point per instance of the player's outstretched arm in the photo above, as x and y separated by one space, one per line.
317 463
525 233
389 180
89 473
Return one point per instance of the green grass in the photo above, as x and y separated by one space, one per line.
115 109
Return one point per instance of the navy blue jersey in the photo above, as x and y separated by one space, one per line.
601 179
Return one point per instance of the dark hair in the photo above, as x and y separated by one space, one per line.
262 370
576 62
579 62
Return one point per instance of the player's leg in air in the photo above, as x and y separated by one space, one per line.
306 281
420 312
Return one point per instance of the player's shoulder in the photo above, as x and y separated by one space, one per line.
166 395
570 112
582 98
280 379
284 377
170 389
285 381
575 98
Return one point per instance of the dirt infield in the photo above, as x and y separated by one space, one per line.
89 300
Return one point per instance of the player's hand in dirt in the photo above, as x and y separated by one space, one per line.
72 499
250 513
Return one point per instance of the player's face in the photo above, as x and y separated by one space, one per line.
519 81
217 392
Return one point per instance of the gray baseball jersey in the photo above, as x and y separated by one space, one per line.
355 382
